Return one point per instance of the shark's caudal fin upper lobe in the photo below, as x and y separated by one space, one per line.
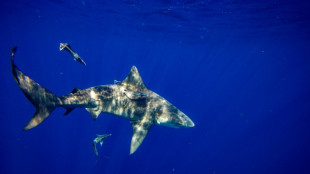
43 100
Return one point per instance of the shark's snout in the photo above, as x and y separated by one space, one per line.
173 117
184 121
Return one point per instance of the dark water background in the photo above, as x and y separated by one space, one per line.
240 70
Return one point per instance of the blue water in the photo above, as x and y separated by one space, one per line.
240 70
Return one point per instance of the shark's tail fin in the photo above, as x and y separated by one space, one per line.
43 100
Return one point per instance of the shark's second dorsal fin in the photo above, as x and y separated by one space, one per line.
133 78
75 90
69 110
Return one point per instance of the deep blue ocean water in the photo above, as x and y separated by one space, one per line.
239 69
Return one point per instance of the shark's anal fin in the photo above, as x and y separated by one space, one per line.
140 130
69 110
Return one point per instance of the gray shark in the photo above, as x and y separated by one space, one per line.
129 99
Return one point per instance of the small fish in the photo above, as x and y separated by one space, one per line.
65 46
99 139
116 82
141 94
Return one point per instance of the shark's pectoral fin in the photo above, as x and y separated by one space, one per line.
140 130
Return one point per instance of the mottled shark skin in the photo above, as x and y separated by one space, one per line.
129 99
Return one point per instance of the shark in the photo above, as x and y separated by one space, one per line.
128 99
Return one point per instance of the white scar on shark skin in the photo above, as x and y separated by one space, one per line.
128 99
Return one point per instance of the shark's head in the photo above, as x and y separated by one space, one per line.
173 117
155 109
165 113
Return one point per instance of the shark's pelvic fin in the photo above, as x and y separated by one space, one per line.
43 100
95 112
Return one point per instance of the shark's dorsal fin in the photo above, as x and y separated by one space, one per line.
133 78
